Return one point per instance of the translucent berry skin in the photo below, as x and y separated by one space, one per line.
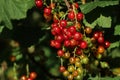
39 3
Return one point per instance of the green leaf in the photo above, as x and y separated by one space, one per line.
103 21
114 45
88 24
14 9
104 78
117 30
115 53
86 8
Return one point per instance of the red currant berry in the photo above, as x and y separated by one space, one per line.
60 53
54 25
57 44
62 69
83 44
67 43
69 34
101 33
63 23
39 3
96 35
65 37
71 15
52 43
100 39
33 75
59 38
77 36
47 11
56 30
73 42
79 16
78 51
76 5
107 44
29 79
72 29
64 30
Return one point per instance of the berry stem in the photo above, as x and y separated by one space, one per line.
27 70
67 4
74 51
14 69
61 61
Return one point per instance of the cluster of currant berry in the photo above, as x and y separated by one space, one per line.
75 42
32 76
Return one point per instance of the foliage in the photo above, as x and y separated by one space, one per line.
27 35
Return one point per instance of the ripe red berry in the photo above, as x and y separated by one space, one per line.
39 3
54 25
72 29
63 23
83 44
96 35
33 75
57 44
59 38
52 43
56 30
73 42
107 44
76 5
62 69
77 36
79 16
78 51
100 39
65 37
101 33
71 15
29 79
47 11
69 34
67 43
60 53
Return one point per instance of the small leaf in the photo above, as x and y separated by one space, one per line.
115 53
114 45
86 8
103 21
117 30
88 24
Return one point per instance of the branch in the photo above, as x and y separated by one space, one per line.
67 4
